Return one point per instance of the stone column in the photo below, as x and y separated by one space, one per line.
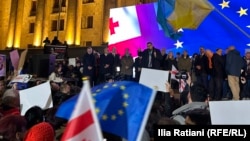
12 23
71 22
37 41
4 19
19 23
46 18
78 22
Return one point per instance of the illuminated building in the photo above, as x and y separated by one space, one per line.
26 23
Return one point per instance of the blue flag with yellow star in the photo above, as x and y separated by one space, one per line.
122 108
228 24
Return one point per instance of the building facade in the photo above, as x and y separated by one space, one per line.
26 23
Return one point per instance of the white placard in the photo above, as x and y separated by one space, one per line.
155 79
72 61
230 112
39 95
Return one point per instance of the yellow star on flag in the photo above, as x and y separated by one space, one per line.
113 117
120 112
97 110
122 87
125 104
104 117
125 96
242 11
224 4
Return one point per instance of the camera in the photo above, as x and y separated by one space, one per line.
109 77
181 75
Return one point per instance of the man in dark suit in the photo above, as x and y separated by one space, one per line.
116 62
89 64
138 66
106 62
151 57
218 75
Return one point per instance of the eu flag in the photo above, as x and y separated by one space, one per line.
228 24
122 107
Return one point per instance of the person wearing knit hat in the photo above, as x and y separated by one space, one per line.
40 132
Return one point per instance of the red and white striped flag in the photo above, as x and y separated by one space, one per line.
182 83
83 124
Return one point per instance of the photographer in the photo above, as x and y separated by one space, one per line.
109 78
197 98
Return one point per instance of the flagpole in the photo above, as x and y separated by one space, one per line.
234 24
230 21
146 115
58 18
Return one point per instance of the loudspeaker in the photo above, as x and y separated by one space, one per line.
42 64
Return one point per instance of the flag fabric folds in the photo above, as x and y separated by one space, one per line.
228 24
121 26
133 26
189 13
164 10
83 124
122 108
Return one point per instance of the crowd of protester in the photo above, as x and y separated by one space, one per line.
211 76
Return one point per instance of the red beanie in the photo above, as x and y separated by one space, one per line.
40 132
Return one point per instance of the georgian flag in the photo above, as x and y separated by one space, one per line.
182 83
133 26
123 24
83 124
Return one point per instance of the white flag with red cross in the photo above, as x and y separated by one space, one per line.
121 27
182 83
